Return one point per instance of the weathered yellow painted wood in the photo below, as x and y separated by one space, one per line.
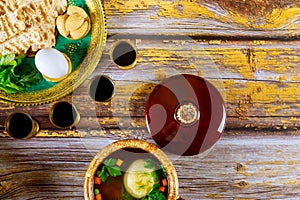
240 51
259 80
238 167
123 127
260 60
253 18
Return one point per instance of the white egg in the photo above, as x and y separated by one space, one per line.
52 64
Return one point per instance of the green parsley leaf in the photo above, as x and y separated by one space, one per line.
160 171
109 169
103 174
155 194
114 171
150 163
14 77
7 60
156 176
110 162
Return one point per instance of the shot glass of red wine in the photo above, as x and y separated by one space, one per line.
124 54
64 115
102 88
21 125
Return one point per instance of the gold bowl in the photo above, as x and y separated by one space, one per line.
138 145
79 75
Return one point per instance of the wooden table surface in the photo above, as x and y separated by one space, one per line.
248 49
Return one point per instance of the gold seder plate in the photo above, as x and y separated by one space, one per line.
78 75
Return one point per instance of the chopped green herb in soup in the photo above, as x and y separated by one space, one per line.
130 175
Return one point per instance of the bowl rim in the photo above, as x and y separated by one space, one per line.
173 186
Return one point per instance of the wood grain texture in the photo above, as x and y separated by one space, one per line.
259 81
225 18
259 167
248 49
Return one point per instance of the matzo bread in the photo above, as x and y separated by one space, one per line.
7 6
34 25
11 24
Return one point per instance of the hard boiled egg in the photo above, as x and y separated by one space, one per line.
53 64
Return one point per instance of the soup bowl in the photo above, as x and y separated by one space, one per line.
127 152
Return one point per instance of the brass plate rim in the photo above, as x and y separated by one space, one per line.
79 75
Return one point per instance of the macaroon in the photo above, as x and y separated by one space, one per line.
74 24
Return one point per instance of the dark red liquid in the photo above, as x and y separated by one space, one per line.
64 114
112 188
101 89
178 138
124 54
20 125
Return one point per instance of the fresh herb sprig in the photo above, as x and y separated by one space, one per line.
159 172
155 194
15 77
109 169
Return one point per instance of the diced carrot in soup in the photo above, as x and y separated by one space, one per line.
119 162
162 189
97 181
164 182
98 197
